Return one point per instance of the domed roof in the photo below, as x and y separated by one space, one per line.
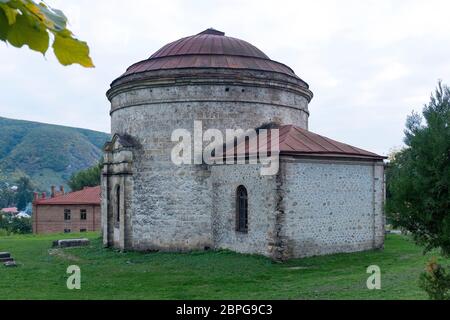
209 49
210 41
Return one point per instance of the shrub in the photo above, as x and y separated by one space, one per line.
16 225
21 225
435 281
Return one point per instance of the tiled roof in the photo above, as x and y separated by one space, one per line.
10 210
85 196
296 141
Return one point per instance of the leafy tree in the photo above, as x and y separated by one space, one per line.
86 178
14 225
419 178
7 196
24 193
25 22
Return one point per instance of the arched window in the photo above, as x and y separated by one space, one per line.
118 204
241 209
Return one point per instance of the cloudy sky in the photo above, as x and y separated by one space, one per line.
369 63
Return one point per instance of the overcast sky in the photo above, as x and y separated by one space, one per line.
369 63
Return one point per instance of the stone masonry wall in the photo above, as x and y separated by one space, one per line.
235 106
332 206
117 173
172 204
225 179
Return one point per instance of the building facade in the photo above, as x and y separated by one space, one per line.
67 212
150 203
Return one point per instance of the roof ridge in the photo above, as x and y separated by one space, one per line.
300 141
330 141
337 143
308 138
297 135
281 137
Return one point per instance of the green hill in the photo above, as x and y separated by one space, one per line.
47 153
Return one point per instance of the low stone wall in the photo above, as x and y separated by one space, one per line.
332 206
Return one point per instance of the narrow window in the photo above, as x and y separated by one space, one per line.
83 214
66 214
241 209
118 204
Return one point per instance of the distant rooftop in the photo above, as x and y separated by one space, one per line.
10 210
88 196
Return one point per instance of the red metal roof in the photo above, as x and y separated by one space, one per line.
85 196
210 42
296 141
10 210
209 49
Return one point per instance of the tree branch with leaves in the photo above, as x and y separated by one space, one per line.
25 22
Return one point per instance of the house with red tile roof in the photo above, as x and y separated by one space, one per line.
11 211
77 211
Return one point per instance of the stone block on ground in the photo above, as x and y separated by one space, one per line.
5 255
66 243
6 259
10 264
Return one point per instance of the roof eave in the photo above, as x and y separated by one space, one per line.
333 155
297 154
66 203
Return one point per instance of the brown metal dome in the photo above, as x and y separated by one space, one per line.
208 42
209 49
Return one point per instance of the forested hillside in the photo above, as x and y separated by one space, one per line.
48 154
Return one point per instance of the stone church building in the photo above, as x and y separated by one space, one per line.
327 196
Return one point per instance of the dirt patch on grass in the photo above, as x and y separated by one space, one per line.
60 253
300 268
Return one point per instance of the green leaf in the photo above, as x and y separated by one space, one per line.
26 22
26 32
56 17
4 26
53 19
69 50
9 13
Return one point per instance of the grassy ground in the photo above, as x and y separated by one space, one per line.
108 274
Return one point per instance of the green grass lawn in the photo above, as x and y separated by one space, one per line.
109 274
